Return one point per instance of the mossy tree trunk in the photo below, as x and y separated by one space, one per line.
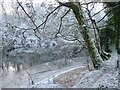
118 40
94 54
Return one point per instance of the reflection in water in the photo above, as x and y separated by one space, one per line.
12 66
18 62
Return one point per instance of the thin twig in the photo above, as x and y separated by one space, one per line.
61 22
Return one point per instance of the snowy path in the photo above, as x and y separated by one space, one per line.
20 79
48 81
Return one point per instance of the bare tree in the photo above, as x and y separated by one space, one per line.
94 50
76 8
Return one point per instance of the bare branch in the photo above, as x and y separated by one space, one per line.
99 11
63 17
75 39
112 8
103 26
103 17
25 29
88 3
30 19
93 6
44 23
61 22
22 28
26 13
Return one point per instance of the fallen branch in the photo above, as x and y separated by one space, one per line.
43 71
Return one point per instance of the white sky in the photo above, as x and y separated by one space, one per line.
35 1
7 2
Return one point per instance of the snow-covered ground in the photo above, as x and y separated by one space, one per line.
38 72
64 73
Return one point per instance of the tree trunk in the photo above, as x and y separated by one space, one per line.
94 54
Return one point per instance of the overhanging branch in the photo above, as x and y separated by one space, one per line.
44 23
61 22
